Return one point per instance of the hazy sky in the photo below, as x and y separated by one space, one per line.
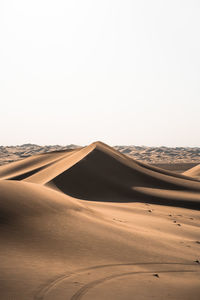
124 72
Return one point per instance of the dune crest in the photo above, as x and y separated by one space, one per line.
193 172
99 172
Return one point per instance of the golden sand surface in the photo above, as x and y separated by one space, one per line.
93 223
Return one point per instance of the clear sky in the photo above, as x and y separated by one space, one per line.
120 71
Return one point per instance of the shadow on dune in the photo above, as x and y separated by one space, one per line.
26 174
100 173
104 175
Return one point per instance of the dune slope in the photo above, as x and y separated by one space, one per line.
28 166
193 172
79 224
99 172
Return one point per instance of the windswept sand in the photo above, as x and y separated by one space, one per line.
92 223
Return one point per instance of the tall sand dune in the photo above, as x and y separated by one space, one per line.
98 172
92 223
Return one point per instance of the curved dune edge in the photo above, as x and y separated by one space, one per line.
54 245
24 168
100 173
193 172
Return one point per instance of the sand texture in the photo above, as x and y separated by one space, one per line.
178 158
93 223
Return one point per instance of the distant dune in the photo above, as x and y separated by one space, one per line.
152 155
93 223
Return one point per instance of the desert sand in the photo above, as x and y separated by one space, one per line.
92 223
175 158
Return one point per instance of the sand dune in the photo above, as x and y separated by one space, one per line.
26 167
98 172
193 172
92 223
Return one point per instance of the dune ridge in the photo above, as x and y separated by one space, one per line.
193 172
98 172
77 224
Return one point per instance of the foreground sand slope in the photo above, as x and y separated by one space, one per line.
114 244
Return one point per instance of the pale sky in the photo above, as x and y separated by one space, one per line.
121 71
